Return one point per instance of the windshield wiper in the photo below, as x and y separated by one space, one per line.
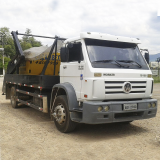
130 61
111 61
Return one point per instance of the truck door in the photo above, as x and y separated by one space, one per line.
72 70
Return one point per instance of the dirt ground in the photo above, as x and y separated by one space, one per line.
27 134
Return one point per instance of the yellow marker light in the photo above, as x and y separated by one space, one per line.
106 108
149 105
153 104
97 74
149 76
100 108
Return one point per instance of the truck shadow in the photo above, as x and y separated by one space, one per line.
28 114
85 132
108 131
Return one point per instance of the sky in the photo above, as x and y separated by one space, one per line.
67 18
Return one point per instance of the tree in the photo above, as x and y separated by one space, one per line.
4 33
34 42
28 42
25 45
6 60
26 38
7 42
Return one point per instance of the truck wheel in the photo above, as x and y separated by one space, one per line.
14 102
61 115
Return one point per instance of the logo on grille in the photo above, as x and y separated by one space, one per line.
127 87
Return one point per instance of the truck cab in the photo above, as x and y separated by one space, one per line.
99 64
111 79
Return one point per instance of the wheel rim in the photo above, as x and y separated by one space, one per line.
59 114
13 97
13 100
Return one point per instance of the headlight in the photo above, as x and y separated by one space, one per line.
100 108
106 108
153 104
149 105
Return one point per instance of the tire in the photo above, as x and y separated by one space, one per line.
61 115
14 102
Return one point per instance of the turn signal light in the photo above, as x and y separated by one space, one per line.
85 96
149 76
97 74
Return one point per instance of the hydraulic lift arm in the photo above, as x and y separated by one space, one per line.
18 58
13 65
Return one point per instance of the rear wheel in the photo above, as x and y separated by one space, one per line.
14 102
61 115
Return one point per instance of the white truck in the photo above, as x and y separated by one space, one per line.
154 65
103 79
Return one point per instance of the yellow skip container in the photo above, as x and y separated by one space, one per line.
36 57
35 67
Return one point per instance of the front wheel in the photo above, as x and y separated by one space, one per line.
61 115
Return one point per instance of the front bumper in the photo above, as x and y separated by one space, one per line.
90 114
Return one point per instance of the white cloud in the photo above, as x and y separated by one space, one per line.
67 18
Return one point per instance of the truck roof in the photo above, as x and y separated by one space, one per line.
102 36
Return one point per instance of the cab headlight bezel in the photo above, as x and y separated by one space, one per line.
106 108
153 104
100 108
149 105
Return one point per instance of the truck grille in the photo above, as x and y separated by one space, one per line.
116 87
130 114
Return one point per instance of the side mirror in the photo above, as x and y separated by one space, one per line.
146 56
64 54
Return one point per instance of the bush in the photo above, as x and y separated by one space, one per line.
6 60
156 79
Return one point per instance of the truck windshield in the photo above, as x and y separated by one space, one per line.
111 54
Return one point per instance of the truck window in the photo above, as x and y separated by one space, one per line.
106 54
75 53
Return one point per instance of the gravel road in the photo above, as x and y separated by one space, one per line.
27 134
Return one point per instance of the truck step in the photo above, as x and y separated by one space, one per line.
30 93
77 120
78 109
30 105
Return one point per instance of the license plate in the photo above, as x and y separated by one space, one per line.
129 107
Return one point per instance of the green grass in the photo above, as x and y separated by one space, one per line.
156 79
